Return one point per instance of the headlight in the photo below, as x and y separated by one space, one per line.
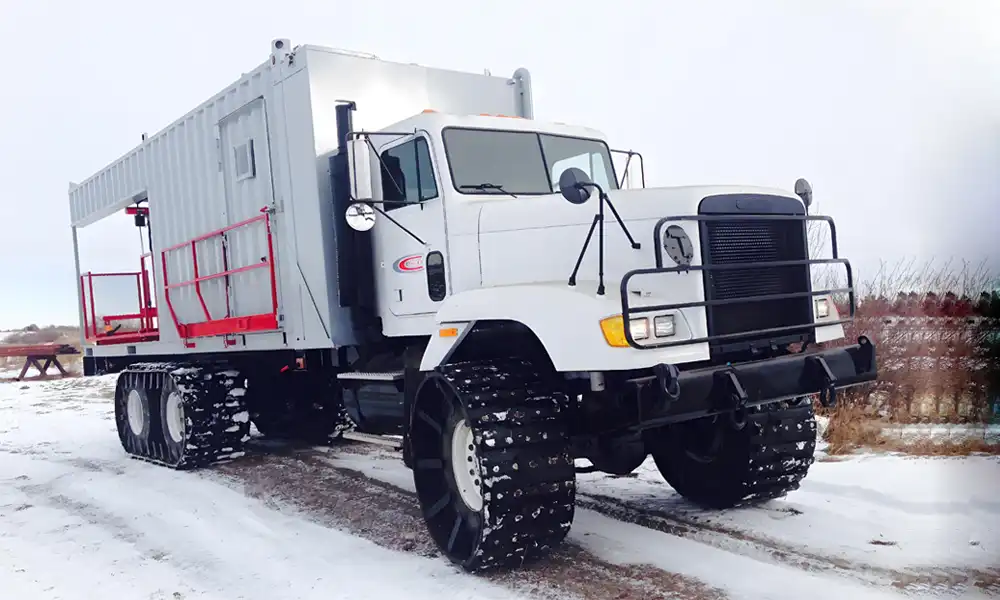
613 329
639 328
663 326
822 308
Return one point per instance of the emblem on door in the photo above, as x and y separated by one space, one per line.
409 264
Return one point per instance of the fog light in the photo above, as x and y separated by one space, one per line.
639 328
663 326
822 308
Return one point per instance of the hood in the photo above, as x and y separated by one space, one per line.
538 239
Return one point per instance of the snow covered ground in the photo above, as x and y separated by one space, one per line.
80 520
10 373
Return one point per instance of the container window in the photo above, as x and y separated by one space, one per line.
245 162
407 176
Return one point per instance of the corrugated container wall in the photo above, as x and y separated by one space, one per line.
267 140
196 183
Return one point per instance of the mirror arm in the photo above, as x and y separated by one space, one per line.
635 245
642 166
625 171
395 222
372 203
599 219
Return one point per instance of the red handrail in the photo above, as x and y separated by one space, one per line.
148 329
229 324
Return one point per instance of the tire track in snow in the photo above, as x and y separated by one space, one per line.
380 512
725 539
942 582
923 580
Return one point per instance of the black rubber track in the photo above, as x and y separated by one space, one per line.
298 407
765 460
217 421
517 417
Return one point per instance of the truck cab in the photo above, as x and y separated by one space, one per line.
433 175
474 226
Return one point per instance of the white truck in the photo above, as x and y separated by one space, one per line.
341 246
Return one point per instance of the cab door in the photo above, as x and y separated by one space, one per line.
410 242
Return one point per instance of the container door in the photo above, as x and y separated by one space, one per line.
411 276
246 169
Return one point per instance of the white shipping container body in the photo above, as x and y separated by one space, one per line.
243 182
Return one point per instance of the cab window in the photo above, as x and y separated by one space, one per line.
592 159
407 177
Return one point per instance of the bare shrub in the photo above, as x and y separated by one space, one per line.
936 331
927 343
33 334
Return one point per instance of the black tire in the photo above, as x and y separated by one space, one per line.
301 407
520 463
716 465
144 412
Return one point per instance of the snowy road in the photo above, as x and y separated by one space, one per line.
80 520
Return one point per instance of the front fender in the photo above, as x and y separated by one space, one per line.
566 320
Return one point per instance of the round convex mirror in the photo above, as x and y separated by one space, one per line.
360 216
805 191
573 185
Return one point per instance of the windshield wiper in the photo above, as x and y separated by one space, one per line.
486 186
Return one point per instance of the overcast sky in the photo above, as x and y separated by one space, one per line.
890 108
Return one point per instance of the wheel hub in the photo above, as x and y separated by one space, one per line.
136 410
175 417
465 466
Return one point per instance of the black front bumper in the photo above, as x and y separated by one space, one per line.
673 395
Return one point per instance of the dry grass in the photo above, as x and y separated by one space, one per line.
850 428
931 346
855 427
934 361
930 447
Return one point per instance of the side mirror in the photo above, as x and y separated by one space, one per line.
805 191
359 170
360 216
572 185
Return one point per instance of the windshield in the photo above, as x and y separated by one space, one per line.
485 161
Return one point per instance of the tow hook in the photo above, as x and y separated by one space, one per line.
738 399
669 378
738 419
828 388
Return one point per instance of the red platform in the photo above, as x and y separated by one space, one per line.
107 329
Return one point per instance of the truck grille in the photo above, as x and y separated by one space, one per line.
749 241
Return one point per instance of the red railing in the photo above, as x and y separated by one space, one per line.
111 332
228 324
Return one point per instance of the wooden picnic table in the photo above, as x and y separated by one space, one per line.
35 354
